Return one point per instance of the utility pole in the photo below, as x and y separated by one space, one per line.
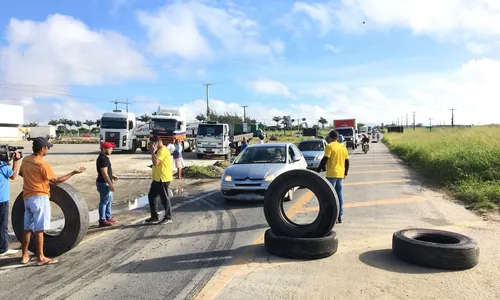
452 117
208 109
413 121
406 120
430 124
116 102
244 113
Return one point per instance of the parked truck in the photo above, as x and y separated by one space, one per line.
348 129
44 131
170 124
214 138
119 128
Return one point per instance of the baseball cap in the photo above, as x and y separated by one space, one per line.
106 145
40 142
333 134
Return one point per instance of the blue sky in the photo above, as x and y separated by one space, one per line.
310 59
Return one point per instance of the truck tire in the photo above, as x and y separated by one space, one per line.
322 189
190 147
76 215
301 248
435 248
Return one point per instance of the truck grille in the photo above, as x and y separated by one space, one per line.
112 137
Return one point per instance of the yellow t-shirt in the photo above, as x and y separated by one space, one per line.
337 154
36 174
163 171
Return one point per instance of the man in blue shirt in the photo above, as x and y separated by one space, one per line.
6 173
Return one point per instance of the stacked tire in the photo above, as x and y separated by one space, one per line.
288 239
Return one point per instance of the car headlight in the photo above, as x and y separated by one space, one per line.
318 157
228 178
269 178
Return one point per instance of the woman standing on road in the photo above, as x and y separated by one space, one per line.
179 161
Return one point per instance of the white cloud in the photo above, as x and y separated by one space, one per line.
270 87
332 48
43 59
453 20
183 30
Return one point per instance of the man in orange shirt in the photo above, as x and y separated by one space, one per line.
37 175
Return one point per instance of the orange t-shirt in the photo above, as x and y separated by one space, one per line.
36 174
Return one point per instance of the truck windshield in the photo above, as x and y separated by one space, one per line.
112 123
209 130
158 124
344 131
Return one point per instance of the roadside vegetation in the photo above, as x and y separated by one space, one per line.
213 171
464 160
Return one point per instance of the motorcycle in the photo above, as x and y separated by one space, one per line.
365 147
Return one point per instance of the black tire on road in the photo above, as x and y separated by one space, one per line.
322 189
435 248
301 248
76 215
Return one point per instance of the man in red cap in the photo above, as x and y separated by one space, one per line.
104 183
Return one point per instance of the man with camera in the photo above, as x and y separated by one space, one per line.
37 177
6 173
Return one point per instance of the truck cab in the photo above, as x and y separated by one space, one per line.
118 127
170 125
350 136
213 138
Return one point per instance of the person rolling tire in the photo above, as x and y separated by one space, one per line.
435 248
301 248
76 217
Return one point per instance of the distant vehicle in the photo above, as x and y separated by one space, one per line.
44 131
214 138
313 151
118 127
256 167
348 128
170 125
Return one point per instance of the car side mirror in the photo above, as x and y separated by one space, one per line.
296 158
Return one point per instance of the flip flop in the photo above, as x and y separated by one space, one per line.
29 260
48 262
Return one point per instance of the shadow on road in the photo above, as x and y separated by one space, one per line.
384 259
199 260
204 233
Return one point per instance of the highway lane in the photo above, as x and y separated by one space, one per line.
214 250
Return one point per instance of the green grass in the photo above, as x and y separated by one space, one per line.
464 160
197 171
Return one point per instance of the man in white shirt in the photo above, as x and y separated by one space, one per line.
261 139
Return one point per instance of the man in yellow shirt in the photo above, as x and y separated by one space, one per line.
336 160
162 176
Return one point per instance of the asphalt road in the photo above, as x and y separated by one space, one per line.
214 250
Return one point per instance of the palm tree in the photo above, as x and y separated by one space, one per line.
78 125
144 118
32 124
53 122
89 123
64 122
201 117
322 121
277 119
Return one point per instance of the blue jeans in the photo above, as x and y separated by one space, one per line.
106 198
4 225
337 185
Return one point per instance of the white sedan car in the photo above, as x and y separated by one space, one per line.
256 167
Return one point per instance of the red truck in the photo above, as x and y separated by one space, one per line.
348 128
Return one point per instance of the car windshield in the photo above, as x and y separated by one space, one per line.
164 124
262 155
209 130
312 146
114 123
344 131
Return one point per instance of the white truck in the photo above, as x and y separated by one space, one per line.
170 125
214 138
119 128
43 131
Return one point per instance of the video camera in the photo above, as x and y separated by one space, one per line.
7 152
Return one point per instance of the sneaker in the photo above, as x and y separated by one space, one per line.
339 220
105 223
112 220
150 220
166 221
9 252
